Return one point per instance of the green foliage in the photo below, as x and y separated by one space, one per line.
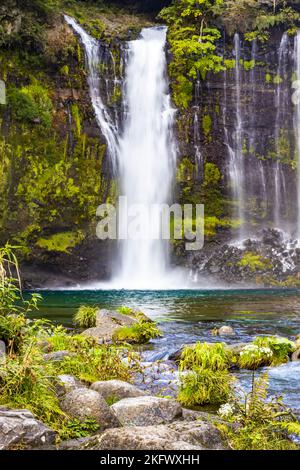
281 347
75 429
253 356
11 299
263 423
193 45
27 382
139 333
61 242
204 386
32 104
125 310
207 356
210 191
254 262
85 317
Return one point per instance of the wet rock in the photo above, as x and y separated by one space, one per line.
107 322
117 389
226 331
20 429
176 436
146 411
58 356
83 403
66 383
296 355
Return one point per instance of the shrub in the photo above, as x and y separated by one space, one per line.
264 423
138 333
85 317
280 347
208 356
253 356
204 386
32 104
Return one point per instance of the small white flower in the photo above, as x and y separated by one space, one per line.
226 411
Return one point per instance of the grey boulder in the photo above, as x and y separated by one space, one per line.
20 430
146 411
116 389
84 403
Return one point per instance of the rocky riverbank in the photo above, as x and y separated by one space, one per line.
96 393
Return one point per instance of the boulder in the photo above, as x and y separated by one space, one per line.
196 435
117 389
296 355
226 331
57 356
83 403
20 429
107 322
146 411
66 383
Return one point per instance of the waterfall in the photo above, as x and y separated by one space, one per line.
106 124
281 98
147 157
144 154
236 157
297 124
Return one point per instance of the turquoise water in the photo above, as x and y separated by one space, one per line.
187 316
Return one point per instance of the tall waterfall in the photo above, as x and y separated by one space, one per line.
105 122
297 123
147 156
236 157
144 154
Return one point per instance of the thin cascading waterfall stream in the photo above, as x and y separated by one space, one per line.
147 158
108 127
281 99
236 157
297 127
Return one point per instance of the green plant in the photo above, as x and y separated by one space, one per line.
281 347
125 310
85 317
204 386
75 429
11 298
263 423
139 333
253 356
32 104
28 382
207 356
254 262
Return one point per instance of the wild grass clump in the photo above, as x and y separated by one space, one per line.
27 382
139 333
85 317
204 386
207 356
263 423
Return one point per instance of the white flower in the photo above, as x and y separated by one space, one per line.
226 411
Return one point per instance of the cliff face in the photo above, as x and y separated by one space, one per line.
236 138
